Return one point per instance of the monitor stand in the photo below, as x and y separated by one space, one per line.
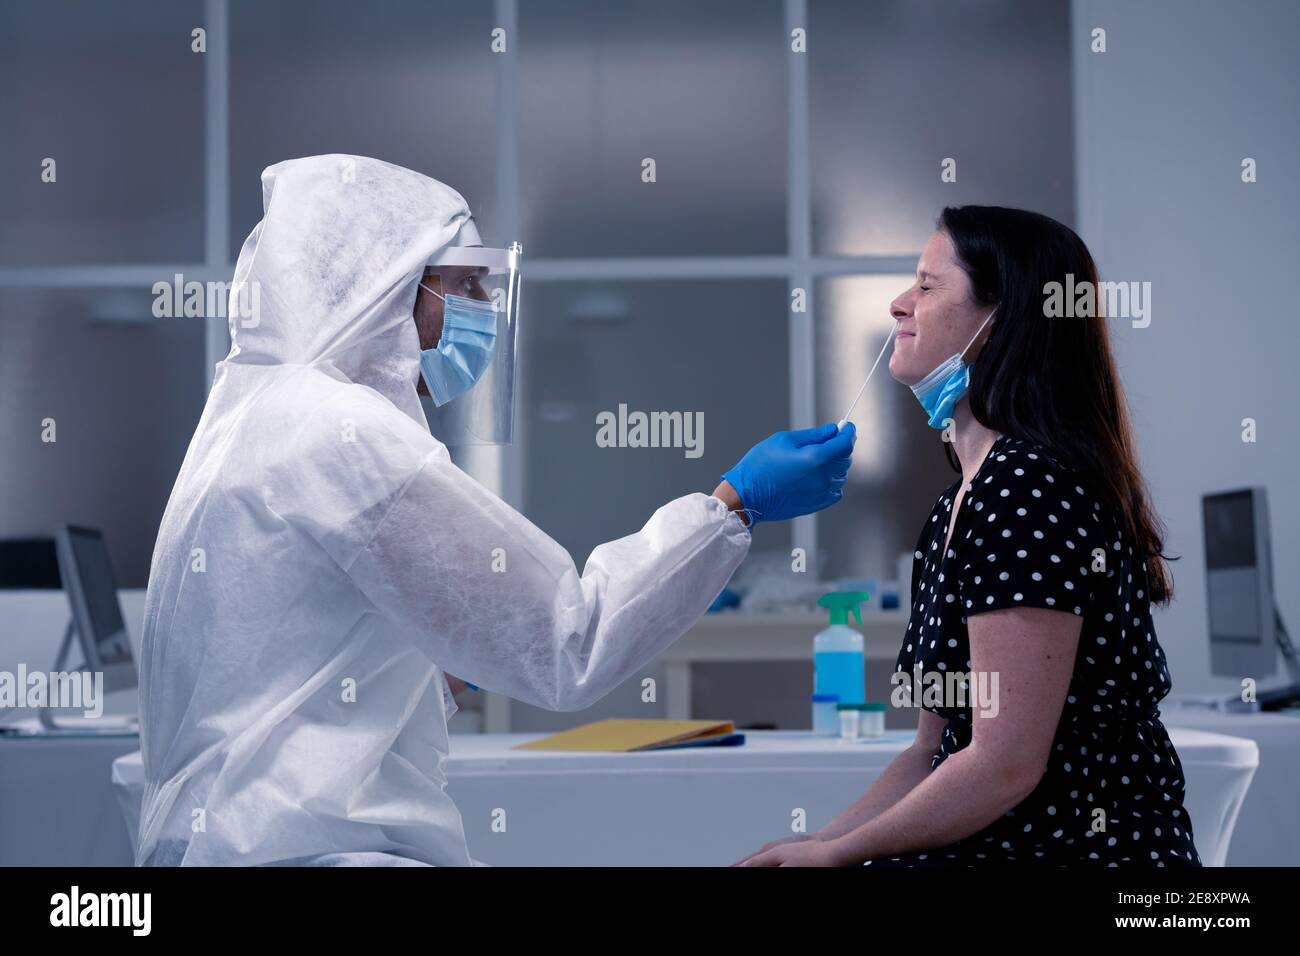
1278 698
51 726
1288 696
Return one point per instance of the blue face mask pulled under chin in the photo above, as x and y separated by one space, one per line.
941 390
469 331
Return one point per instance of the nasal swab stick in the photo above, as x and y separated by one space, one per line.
889 338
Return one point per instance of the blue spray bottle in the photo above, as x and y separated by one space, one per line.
839 652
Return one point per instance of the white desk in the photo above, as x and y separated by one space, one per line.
57 806
1268 829
708 807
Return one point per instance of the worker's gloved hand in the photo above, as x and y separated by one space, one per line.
793 473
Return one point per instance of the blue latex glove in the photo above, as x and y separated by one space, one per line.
793 473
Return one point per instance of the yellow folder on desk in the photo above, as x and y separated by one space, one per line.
623 736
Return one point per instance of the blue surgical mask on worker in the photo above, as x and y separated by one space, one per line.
941 390
469 331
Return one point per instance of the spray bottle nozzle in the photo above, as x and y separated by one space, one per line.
840 603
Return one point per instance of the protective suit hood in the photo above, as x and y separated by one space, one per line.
335 262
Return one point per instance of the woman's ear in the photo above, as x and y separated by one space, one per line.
982 334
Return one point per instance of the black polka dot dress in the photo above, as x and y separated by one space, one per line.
1027 535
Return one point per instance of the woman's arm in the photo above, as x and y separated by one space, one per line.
904 773
1031 651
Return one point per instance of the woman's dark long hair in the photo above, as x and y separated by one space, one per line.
1052 380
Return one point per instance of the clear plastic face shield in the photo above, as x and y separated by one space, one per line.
484 413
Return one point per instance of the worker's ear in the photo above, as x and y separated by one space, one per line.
428 311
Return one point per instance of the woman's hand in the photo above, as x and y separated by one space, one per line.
784 841
810 851
797 838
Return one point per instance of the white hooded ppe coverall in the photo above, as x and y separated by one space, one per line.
321 560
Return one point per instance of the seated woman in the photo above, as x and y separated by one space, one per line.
1038 567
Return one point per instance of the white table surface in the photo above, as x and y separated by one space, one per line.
57 805
709 806
1268 827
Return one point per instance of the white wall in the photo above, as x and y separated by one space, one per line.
1185 91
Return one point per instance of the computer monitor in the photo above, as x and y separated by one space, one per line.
96 614
29 564
1246 629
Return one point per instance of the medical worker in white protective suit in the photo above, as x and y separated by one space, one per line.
322 566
